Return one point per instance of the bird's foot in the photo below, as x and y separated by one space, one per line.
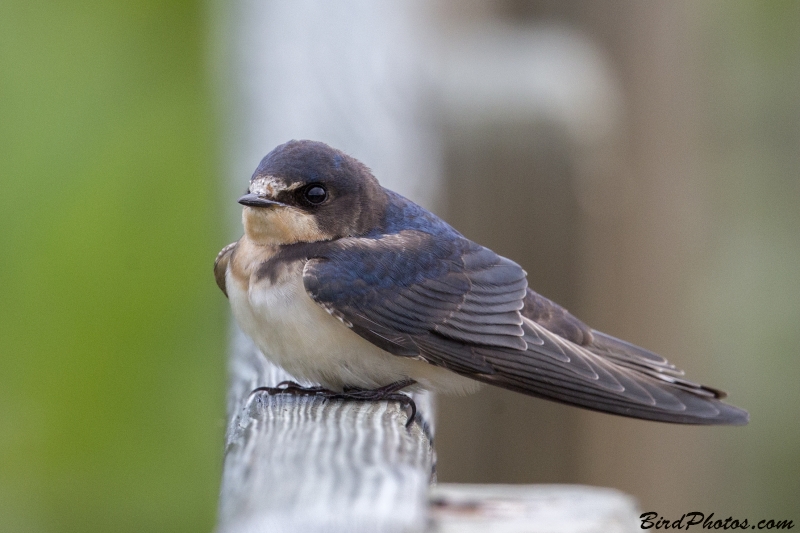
293 388
389 393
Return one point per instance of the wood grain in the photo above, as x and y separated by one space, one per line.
311 464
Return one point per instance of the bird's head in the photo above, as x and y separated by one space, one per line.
306 191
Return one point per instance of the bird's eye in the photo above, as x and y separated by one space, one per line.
315 194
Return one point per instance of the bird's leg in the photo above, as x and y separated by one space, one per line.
390 393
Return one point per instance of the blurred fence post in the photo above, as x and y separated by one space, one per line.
346 73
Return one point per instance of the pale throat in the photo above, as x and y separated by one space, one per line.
278 225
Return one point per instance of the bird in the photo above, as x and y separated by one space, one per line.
351 286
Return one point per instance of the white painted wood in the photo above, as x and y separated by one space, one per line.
309 464
457 508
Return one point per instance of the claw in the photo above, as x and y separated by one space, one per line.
388 392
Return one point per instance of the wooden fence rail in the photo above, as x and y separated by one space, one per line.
307 464
295 463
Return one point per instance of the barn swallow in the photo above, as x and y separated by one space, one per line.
352 286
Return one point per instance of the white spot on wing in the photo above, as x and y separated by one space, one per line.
336 314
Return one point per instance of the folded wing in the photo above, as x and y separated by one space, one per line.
460 306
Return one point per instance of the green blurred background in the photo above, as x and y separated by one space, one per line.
112 332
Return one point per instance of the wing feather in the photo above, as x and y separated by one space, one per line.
460 306
221 266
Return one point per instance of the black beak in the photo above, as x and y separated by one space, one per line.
254 200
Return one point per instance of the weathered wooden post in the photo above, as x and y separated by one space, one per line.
308 464
346 73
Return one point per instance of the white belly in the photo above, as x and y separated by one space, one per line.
298 335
